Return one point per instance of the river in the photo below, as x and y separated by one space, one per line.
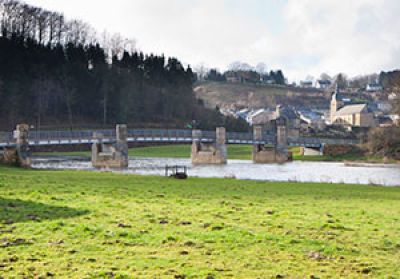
328 172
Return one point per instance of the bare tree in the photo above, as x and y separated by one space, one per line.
2 17
201 71
261 68
117 45
130 45
42 25
77 32
325 76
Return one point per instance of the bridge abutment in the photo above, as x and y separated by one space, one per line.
209 153
111 155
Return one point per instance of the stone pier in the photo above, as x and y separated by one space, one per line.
111 155
209 153
277 154
261 153
282 152
18 155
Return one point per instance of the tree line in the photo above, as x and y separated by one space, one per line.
390 79
56 72
246 76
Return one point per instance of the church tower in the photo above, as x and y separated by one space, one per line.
336 104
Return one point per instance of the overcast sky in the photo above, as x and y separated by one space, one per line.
302 37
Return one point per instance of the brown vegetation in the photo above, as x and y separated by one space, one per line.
229 95
385 142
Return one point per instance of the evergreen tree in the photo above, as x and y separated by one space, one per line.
52 74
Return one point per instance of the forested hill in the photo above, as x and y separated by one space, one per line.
52 73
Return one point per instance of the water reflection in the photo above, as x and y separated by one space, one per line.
388 175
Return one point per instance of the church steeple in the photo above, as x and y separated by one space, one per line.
335 94
335 103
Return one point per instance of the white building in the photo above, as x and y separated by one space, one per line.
306 84
373 87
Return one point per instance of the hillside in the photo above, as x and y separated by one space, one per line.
59 81
225 94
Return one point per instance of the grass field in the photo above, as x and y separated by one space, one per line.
65 224
235 152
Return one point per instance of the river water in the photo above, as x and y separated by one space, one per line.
386 175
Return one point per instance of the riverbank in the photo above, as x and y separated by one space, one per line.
235 152
101 225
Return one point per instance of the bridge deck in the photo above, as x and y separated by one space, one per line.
43 138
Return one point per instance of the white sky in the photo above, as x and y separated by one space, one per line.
301 37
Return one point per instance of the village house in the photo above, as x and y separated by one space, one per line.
323 84
242 77
311 119
261 117
306 84
373 87
292 119
356 115
393 96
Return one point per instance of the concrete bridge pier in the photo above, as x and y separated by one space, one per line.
111 155
18 155
209 153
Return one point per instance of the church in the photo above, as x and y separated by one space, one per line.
356 115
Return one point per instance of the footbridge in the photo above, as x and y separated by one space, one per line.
65 137
110 147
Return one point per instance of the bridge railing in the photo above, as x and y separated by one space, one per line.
43 137
210 135
67 135
269 139
303 140
320 141
239 136
340 141
6 138
159 133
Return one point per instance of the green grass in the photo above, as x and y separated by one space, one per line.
165 151
70 224
235 152
238 152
